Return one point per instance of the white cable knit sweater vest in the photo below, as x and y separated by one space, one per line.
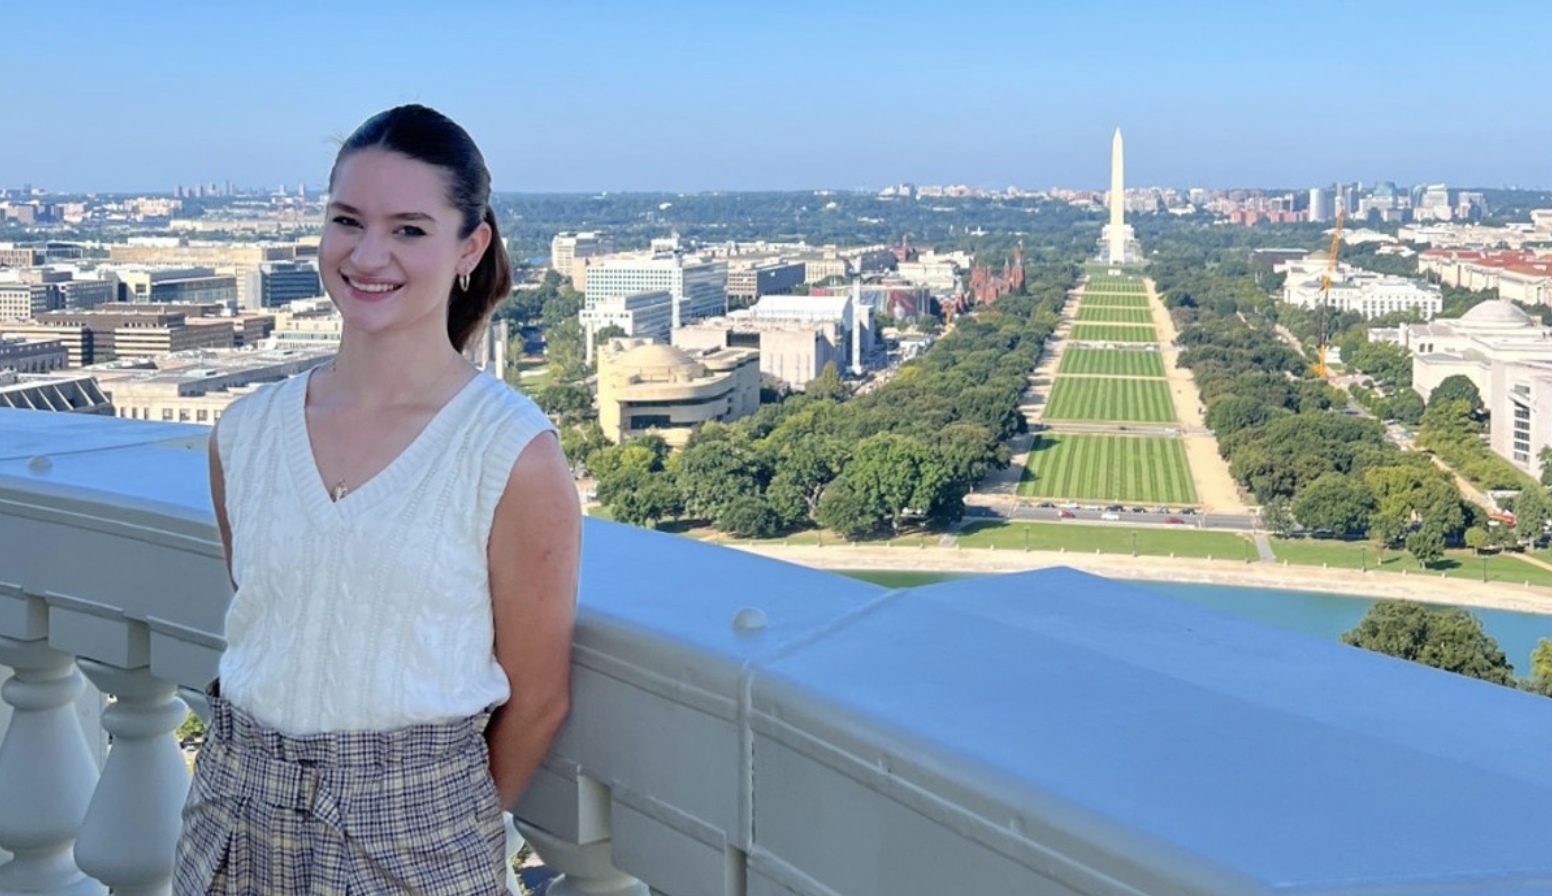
374 612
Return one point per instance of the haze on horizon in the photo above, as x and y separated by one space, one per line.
613 96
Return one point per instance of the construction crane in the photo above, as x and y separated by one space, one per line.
1325 293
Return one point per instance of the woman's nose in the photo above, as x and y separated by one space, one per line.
370 252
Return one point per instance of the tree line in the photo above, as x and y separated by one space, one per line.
901 457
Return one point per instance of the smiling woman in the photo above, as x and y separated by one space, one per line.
402 534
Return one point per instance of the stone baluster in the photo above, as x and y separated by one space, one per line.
131 827
46 772
585 868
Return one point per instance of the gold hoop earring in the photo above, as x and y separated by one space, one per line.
463 282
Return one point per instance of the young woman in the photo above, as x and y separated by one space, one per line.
402 535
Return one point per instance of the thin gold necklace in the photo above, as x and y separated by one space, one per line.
340 490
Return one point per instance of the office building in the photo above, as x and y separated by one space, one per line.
1352 289
696 286
568 250
20 300
176 284
790 353
32 355
276 283
1519 275
136 331
197 386
237 260
69 393
644 315
749 281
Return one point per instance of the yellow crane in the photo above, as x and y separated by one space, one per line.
1325 291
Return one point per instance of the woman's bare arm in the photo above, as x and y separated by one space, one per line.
535 548
218 501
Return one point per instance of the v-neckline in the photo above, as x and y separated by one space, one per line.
306 462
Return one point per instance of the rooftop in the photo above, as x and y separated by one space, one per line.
740 725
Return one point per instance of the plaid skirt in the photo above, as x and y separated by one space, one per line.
413 810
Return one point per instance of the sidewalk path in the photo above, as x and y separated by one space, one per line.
1239 574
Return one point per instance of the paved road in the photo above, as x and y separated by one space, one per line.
1094 513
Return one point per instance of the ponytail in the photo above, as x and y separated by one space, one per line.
489 283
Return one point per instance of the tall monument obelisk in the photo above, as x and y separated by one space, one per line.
1117 203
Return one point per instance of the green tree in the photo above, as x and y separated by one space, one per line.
580 441
708 474
804 465
1457 387
1476 538
1445 638
1540 679
1233 413
828 385
564 350
1532 509
569 403
1335 502
747 516
1278 517
638 496
1406 406
902 480
1544 458
847 512
1426 544
638 454
604 334
1447 422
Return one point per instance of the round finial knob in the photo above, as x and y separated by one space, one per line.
749 619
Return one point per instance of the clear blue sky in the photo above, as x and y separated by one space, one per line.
787 94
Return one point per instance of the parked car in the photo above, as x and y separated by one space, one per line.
1066 515
1174 520
1139 510
1161 510
1069 505
1110 516
1115 508
1188 511
1045 505
1091 507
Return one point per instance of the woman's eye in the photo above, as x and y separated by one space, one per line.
411 230
345 221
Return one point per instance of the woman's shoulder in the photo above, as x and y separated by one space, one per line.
504 406
257 403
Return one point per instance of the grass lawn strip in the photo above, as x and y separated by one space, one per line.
1118 400
1115 284
1109 538
1115 315
1112 333
1112 362
1132 469
1114 300
1457 564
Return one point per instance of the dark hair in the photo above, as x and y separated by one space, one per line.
427 135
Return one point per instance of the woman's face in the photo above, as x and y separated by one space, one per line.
390 247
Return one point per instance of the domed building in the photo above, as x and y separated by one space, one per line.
647 388
1493 332
1508 355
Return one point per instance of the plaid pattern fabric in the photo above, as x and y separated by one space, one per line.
412 810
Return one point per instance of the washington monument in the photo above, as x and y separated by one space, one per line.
1117 244
1117 252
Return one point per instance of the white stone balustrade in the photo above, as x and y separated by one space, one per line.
748 728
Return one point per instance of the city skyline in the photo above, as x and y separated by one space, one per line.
610 97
